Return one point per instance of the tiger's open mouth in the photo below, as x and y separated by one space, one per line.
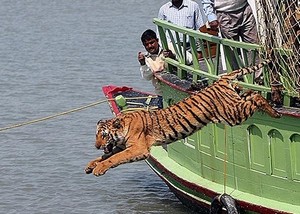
108 148
111 149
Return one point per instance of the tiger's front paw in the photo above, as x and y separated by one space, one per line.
91 165
89 168
100 169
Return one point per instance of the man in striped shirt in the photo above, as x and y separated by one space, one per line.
184 13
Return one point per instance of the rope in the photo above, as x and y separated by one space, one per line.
53 116
137 98
66 112
225 158
135 109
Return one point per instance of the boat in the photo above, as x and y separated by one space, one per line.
123 99
256 163
255 166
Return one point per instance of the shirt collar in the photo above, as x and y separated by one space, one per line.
160 50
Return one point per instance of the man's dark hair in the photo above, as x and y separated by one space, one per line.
147 35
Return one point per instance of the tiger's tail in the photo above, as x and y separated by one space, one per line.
248 70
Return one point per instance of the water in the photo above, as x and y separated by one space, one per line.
55 56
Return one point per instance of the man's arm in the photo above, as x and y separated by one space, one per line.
209 10
161 13
210 13
146 72
200 17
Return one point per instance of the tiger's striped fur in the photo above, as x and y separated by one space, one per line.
128 137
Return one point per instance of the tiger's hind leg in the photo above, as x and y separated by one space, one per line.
254 101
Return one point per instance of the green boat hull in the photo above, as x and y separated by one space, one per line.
257 162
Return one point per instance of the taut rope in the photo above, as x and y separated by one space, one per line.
64 113
52 116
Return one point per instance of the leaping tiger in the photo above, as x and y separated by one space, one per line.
129 137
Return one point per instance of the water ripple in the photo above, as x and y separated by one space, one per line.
55 56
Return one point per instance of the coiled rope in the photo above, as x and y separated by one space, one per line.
64 113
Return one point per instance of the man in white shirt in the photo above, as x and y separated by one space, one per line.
153 60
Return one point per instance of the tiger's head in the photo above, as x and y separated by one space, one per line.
109 135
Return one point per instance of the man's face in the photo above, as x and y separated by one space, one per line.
151 46
177 3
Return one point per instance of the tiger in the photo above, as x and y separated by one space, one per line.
129 137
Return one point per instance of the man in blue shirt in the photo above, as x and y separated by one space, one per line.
184 13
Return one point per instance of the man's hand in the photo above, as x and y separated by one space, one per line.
141 58
214 24
212 29
168 54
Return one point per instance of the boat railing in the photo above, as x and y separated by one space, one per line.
212 64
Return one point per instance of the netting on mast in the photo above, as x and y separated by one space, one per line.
279 32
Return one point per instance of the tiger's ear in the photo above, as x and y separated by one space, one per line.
100 121
117 123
